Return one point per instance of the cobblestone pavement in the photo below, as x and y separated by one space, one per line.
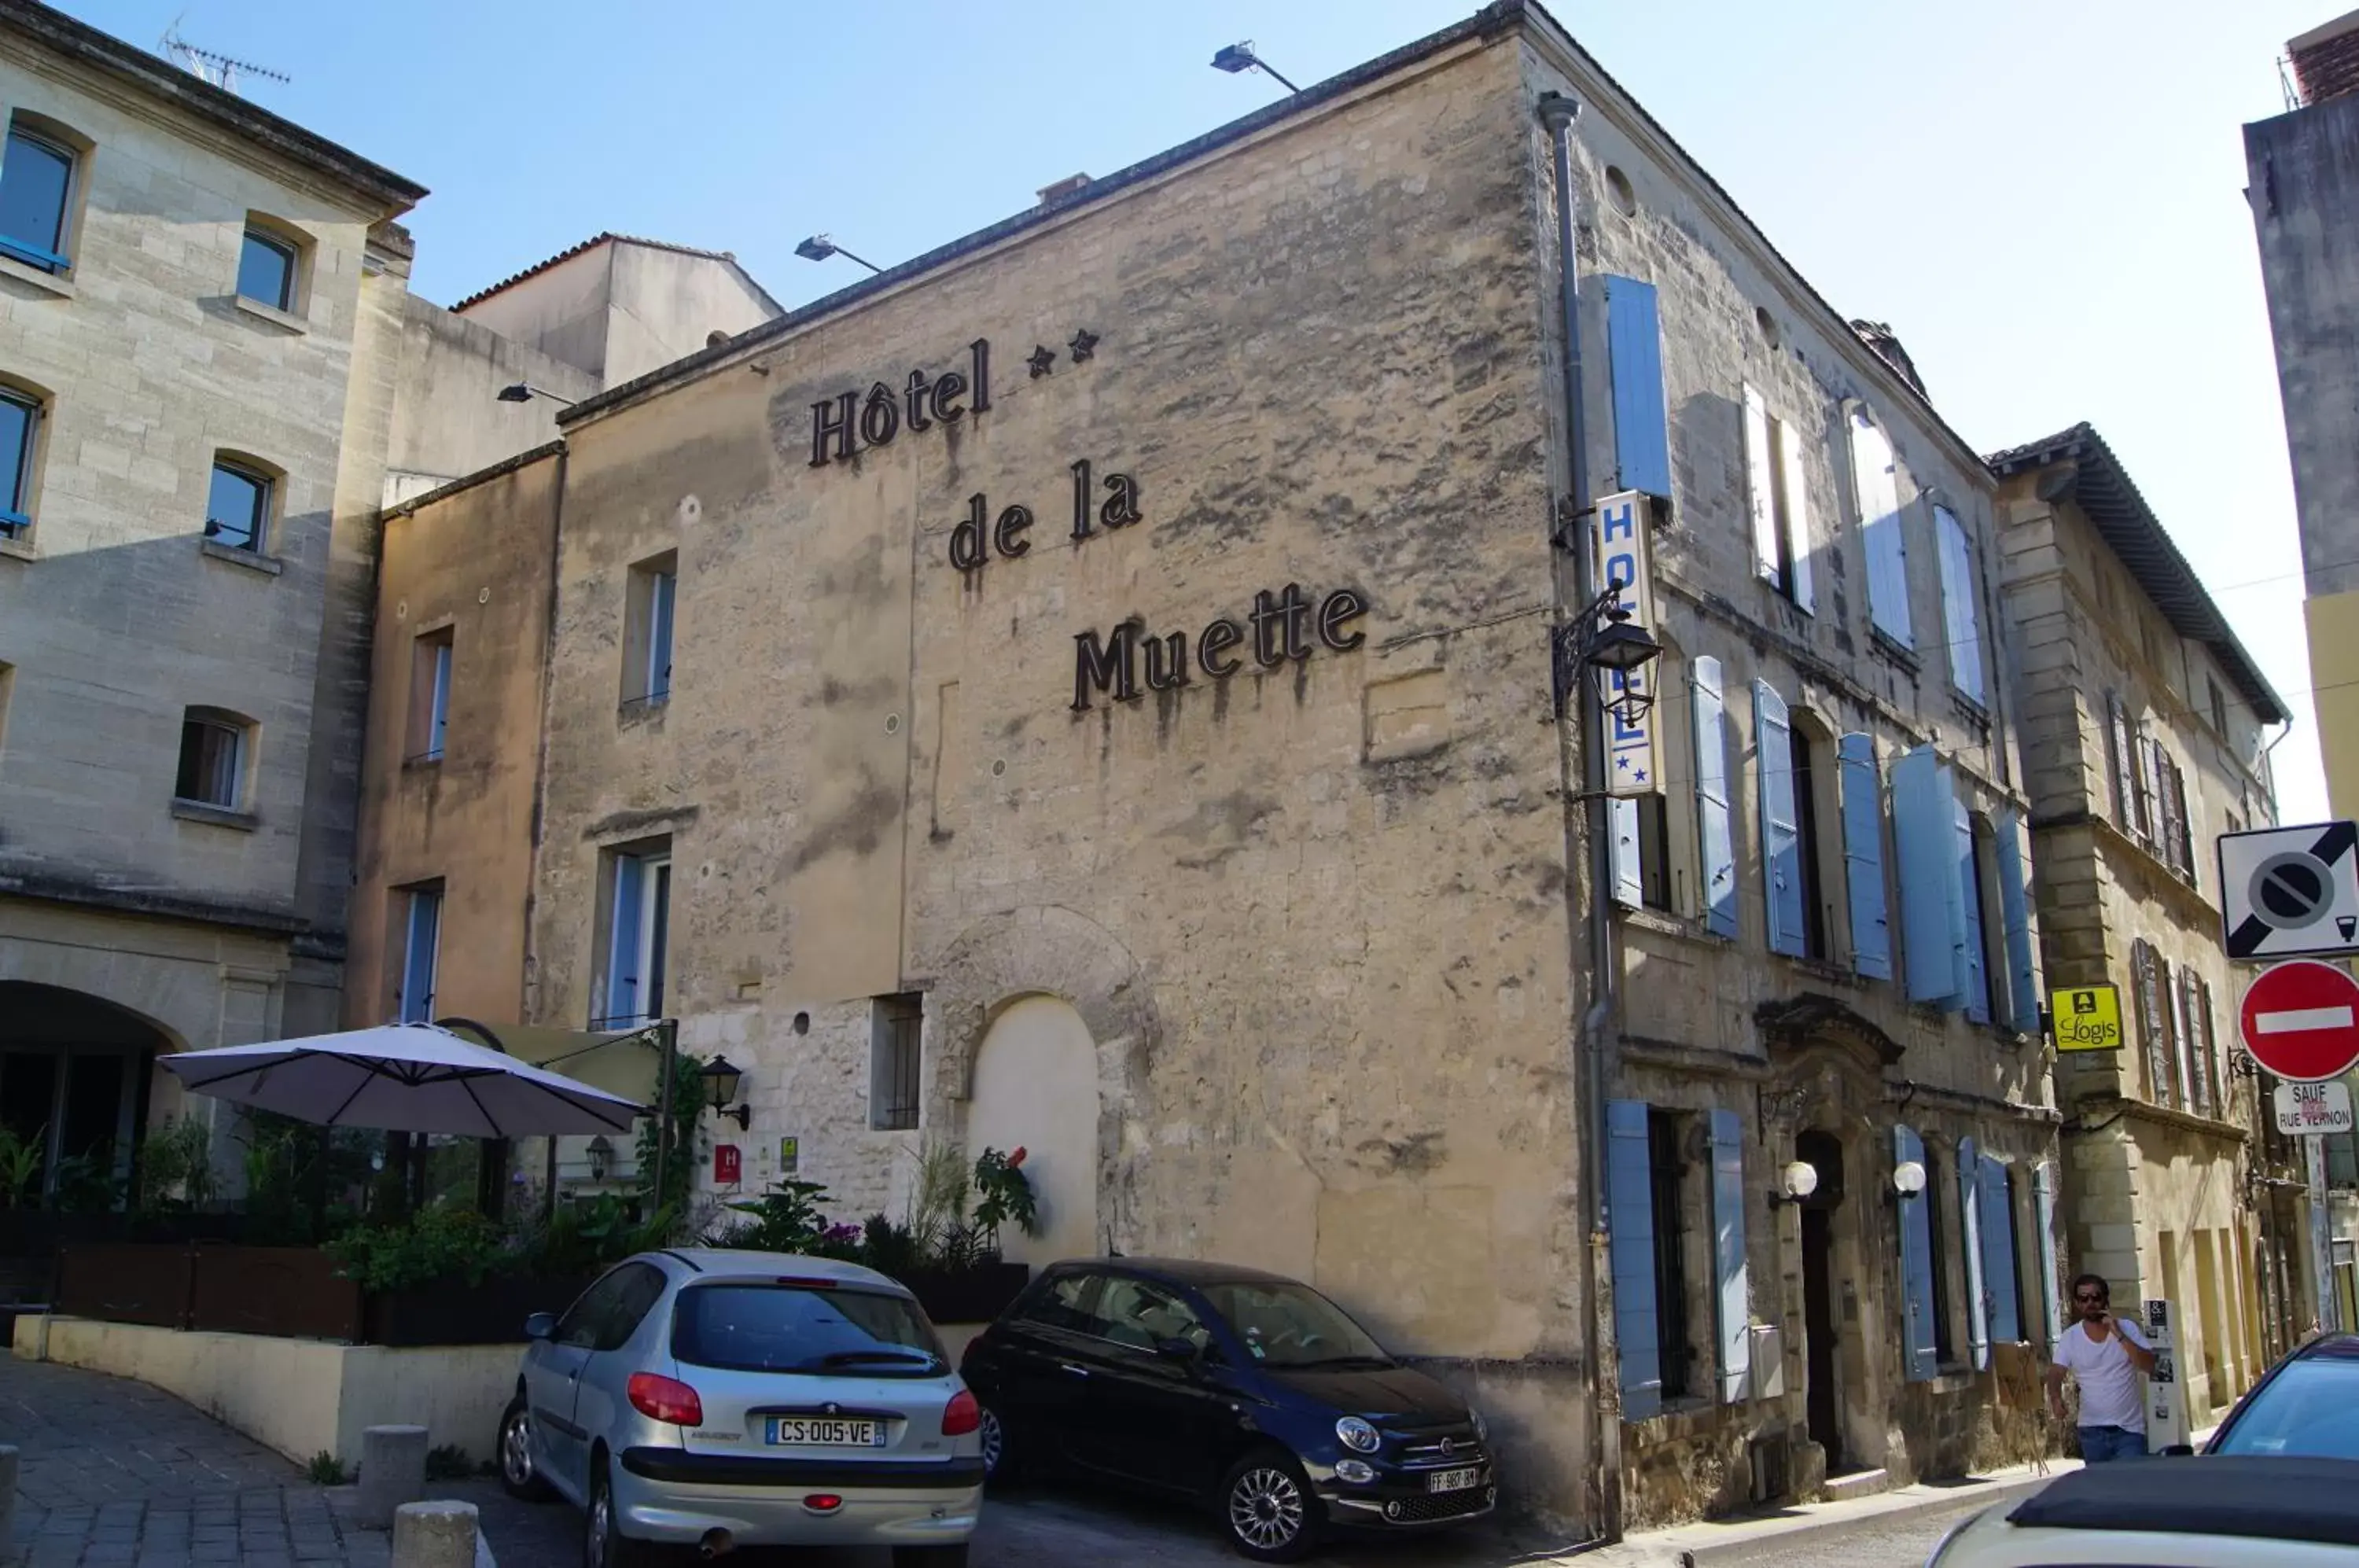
114 1473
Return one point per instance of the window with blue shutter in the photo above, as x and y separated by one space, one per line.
1876 484
2043 1210
1781 840
421 956
1924 831
1630 1219
1973 981
2015 905
1633 341
1960 603
1761 492
1998 1252
1794 497
1714 827
623 948
1732 1294
1919 1328
1863 829
1970 1208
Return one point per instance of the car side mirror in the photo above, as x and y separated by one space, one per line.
540 1325
1176 1349
2178 1451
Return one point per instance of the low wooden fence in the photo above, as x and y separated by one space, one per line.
292 1291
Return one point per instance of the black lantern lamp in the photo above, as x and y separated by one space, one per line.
600 1154
1602 638
721 1082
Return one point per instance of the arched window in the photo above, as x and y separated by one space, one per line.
40 192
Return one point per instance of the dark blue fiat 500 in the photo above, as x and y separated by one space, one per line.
1247 1391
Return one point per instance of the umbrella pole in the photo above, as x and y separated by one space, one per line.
669 1029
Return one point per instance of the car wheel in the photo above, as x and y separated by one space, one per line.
999 1459
929 1556
1268 1509
604 1544
519 1474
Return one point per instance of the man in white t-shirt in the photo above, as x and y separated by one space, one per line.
2107 1357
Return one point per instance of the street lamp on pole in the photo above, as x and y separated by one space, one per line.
818 247
1239 58
525 392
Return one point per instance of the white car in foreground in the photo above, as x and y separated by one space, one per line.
2208 1512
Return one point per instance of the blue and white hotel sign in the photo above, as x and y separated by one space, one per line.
1624 556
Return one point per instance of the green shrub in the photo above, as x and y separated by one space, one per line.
438 1243
325 1470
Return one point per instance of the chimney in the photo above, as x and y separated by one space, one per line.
1051 194
2326 60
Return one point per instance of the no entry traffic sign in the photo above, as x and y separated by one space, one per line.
2302 1020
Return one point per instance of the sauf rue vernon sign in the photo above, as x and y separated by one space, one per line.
1125 661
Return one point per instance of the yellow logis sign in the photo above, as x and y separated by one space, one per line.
2088 1017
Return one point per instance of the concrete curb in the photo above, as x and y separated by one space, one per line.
1801 1535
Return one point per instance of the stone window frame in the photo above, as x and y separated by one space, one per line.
292 311
896 1063
652 851
651 604
272 479
245 737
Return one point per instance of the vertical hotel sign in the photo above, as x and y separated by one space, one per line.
1618 537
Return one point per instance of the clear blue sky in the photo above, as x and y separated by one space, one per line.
2043 199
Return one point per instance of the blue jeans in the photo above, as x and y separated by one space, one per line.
2101 1444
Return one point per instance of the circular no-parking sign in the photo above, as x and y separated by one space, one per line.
2302 1020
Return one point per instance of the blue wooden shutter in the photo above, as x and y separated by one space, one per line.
1629 883
1633 339
623 946
1796 495
2015 904
2043 1207
1960 611
1761 489
1713 824
1969 1226
1781 841
1918 1334
439 717
1924 835
1732 1296
1877 485
1998 1253
1863 828
420 957
1630 1225
1966 922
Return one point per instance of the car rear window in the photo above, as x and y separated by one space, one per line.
2311 1408
804 1329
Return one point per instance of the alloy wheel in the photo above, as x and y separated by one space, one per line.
602 1524
1266 1507
516 1450
994 1442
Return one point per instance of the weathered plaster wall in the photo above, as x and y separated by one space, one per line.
448 420
473 560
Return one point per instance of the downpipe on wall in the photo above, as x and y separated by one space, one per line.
1557 111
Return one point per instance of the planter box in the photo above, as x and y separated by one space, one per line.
455 1313
973 1295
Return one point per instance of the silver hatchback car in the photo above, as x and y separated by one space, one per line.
716 1399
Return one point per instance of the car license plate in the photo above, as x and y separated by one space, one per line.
825 1432
1452 1480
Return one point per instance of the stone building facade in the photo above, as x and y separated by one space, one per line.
2144 729
2304 186
1097 687
189 321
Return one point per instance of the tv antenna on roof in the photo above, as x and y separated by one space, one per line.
220 69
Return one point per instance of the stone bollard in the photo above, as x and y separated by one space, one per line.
8 1497
393 1472
434 1535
